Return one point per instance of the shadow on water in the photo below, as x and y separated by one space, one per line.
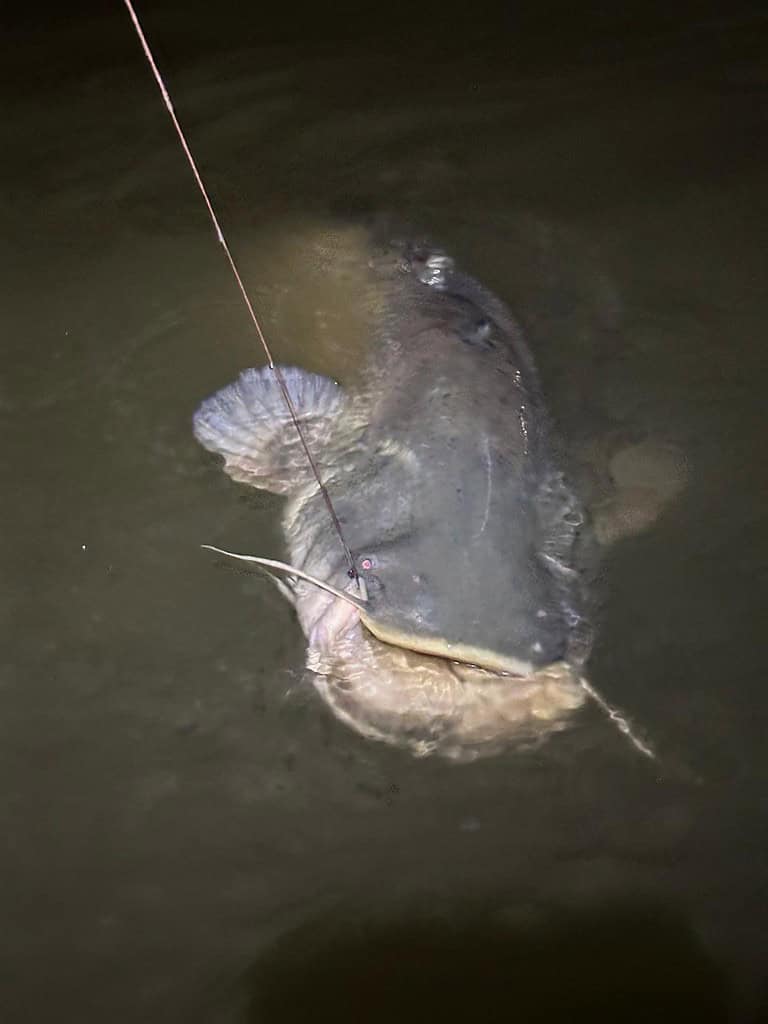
628 964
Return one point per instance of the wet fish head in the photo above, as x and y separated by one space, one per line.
464 573
462 529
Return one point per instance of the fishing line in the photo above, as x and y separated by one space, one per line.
352 572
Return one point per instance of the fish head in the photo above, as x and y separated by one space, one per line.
475 579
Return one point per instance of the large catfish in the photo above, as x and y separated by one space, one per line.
467 631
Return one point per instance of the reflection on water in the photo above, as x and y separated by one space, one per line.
170 816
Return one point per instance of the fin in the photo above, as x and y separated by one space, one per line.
248 422
646 477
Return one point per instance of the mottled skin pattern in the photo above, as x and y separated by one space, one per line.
439 462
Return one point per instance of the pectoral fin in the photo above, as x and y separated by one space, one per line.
646 478
249 424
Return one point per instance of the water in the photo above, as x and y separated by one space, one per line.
187 835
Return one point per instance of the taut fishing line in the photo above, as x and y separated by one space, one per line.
220 235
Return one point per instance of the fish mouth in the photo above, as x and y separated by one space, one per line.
439 647
481 658
491 661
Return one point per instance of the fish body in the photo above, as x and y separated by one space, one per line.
439 460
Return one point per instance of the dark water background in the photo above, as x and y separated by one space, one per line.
180 840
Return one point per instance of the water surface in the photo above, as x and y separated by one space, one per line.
187 834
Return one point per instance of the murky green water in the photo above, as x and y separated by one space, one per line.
187 835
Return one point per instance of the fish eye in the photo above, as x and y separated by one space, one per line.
367 563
